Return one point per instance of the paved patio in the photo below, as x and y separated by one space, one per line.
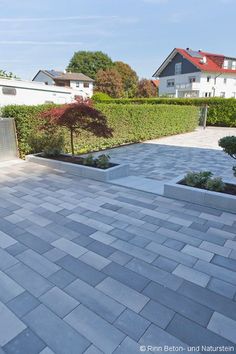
166 158
87 267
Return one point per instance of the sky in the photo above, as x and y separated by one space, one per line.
44 34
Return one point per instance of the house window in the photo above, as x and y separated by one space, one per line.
208 79
9 91
178 68
86 85
233 65
222 94
234 95
207 94
225 80
226 64
170 83
192 79
77 84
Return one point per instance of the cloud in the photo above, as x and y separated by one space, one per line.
69 18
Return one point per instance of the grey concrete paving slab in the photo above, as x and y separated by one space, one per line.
115 271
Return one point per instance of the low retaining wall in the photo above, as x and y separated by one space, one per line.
203 197
82 171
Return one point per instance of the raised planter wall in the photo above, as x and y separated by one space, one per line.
82 171
203 197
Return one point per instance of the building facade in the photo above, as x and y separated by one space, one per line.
188 73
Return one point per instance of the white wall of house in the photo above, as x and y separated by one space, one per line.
83 87
33 93
198 84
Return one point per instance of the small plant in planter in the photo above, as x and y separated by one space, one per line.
89 160
204 180
228 144
103 161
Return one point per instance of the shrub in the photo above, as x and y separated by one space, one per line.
228 144
100 96
197 179
215 184
103 161
130 123
204 180
221 111
50 144
89 160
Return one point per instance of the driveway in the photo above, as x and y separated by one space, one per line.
166 158
87 267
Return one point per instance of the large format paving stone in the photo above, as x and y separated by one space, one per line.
95 300
26 342
55 332
223 326
132 324
95 329
8 288
10 325
122 293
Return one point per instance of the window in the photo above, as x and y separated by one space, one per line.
170 83
9 91
225 80
233 65
77 84
234 95
208 79
207 94
226 64
86 84
192 79
178 68
222 94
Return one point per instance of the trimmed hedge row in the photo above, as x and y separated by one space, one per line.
221 112
130 123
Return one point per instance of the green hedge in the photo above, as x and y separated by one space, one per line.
221 112
131 123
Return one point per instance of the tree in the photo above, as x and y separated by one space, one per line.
129 78
228 144
89 63
7 75
146 89
79 116
109 81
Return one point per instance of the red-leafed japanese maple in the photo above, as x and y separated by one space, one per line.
79 116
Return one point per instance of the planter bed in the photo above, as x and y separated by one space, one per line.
220 200
74 165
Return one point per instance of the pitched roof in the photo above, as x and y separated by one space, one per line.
73 76
155 83
212 62
51 73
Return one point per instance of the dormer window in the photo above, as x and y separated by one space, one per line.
178 68
226 64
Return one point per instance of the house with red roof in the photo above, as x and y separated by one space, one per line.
190 73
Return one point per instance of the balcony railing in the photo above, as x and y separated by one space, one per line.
191 86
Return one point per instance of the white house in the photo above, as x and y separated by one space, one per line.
79 82
189 73
13 91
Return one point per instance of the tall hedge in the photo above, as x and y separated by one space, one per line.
221 112
131 123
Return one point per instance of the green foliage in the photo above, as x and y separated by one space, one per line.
228 144
215 184
89 63
50 143
130 123
221 111
204 180
103 161
109 81
129 78
197 179
7 75
100 96
146 89
89 160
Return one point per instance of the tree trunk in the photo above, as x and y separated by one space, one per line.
72 142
